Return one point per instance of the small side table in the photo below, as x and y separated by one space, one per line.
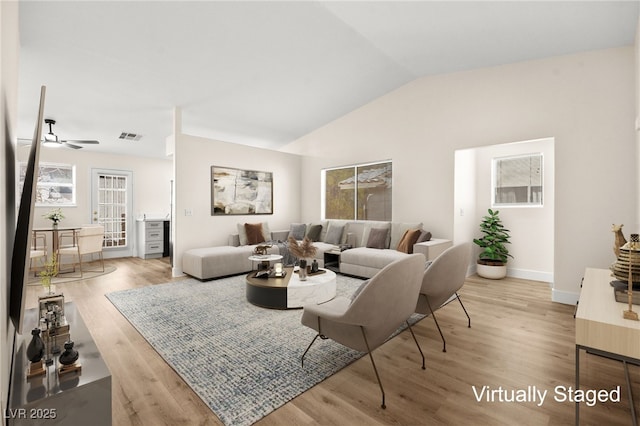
332 259
264 259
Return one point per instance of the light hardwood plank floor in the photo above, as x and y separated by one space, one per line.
518 339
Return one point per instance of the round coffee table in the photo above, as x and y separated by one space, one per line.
289 292
264 259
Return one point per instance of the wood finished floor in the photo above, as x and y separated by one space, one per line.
519 338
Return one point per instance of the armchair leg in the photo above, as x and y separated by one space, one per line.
374 366
444 342
463 308
307 350
417 344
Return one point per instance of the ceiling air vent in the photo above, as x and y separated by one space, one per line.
130 136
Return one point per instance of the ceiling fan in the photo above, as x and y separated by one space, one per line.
51 140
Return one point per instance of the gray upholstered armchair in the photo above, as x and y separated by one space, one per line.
375 311
441 282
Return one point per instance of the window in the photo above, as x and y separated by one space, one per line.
517 181
360 192
56 184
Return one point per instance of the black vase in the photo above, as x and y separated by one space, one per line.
35 349
70 355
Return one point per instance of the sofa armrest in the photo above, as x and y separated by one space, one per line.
234 240
432 248
279 235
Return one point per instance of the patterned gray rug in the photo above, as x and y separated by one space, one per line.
243 361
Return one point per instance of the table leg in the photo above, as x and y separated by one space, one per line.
630 390
577 383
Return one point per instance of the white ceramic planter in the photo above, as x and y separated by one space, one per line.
492 272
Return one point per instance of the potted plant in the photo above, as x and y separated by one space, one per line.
492 260
55 216
303 252
50 270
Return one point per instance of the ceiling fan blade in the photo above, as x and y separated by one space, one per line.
82 141
70 145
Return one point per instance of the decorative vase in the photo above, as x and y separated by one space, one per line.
70 355
35 349
55 224
492 272
314 266
628 263
302 272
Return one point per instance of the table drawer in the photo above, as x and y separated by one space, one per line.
153 247
153 234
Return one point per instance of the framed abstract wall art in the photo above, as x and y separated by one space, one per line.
240 192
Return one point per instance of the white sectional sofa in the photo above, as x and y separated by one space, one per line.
373 246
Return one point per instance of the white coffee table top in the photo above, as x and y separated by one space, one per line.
265 257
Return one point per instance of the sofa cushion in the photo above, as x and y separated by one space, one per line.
313 231
334 234
254 233
297 231
424 236
377 238
353 234
242 233
397 232
327 224
408 240
370 258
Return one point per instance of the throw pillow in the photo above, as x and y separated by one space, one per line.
408 240
254 233
334 234
377 238
242 234
297 231
313 232
424 236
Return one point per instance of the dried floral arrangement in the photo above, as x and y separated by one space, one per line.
302 251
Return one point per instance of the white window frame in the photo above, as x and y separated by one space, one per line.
323 185
43 185
529 202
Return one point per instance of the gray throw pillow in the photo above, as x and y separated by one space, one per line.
313 232
297 231
334 234
377 238
424 236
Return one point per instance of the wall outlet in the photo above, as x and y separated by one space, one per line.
188 212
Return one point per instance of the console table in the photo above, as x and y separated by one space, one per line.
76 398
601 329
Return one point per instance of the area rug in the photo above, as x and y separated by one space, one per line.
243 361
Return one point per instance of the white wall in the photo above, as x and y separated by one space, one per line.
585 101
9 47
532 228
151 183
193 159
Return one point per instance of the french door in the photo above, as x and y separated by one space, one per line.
111 207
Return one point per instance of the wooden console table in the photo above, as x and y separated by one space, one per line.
76 398
601 329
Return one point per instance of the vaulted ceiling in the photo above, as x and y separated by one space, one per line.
265 73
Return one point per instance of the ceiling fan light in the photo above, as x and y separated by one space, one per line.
51 143
50 137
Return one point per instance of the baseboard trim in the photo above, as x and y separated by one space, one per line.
527 274
565 297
